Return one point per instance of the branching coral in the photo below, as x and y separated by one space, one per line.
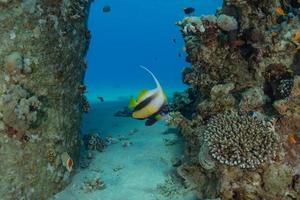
240 140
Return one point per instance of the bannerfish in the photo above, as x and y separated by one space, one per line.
188 10
150 104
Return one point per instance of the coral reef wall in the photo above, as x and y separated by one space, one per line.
241 115
43 44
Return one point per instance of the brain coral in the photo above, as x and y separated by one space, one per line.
240 140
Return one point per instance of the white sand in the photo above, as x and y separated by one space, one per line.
145 163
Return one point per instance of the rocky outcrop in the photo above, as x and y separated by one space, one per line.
242 125
43 44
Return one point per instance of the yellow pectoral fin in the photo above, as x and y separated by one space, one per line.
132 103
145 112
141 95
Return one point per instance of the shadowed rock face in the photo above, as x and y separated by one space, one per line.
43 44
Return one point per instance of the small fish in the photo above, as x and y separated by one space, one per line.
106 9
280 11
150 104
188 10
101 99
174 40
179 55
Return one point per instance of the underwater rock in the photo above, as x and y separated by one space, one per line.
93 141
41 67
171 140
191 25
221 90
20 110
210 107
176 162
29 5
92 185
172 188
85 104
13 62
5 1
86 157
296 183
253 99
296 87
227 23
195 179
126 143
111 140
180 100
253 45
276 179
183 102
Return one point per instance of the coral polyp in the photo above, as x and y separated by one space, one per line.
240 140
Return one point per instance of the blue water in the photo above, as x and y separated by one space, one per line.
135 32
138 32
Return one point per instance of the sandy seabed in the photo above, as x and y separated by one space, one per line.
129 173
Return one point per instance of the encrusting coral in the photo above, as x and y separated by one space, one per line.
227 23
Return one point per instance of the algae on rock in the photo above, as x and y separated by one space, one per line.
245 60
43 44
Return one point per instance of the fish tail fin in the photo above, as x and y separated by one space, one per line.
155 79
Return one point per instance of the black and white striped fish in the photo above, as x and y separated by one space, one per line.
150 104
